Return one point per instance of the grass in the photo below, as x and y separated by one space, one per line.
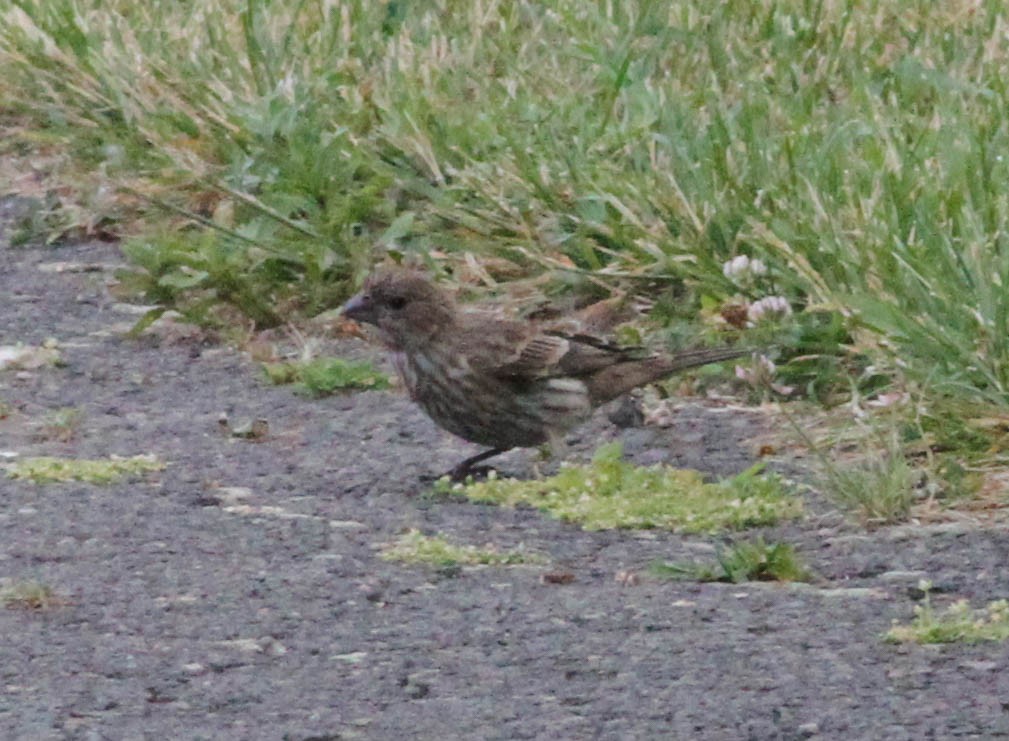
879 489
882 464
958 623
325 376
51 470
60 424
747 561
610 493
258 158
855 149
413 547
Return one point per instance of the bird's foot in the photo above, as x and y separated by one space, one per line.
461 474
468 468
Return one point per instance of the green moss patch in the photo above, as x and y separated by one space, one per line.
959 623
612 493
324 376
740 562
50 470
413 547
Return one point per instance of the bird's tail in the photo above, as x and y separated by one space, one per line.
618 379
693 358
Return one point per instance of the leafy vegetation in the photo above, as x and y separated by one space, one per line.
324 376
413 547
60 424
612 493
823 177
747 561
958 623
854 149
879 489
881 463
50 470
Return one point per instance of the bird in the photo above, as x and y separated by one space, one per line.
501 382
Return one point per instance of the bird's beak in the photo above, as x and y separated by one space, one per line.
359 308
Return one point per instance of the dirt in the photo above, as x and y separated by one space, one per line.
239 594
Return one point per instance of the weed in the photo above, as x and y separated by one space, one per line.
880 489
50 470
858 163
959 623
748 561
611 493
324 376
413 547
60 424
878 486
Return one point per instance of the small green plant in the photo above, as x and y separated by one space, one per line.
61 424
860 162
879 486
959 623
748 561
324 376
194 271
969 431
820 359
28 595
612 493
413 547
47 221
879 491
50 470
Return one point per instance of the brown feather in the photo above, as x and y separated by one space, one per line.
497 381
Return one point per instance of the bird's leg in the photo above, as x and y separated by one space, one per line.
464 469
545 453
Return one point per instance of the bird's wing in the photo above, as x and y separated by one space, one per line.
523 351
538 356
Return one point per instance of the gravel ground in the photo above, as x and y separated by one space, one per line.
239 594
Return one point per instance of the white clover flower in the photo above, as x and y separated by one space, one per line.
763 367
760 375
770 307
736 267
741 269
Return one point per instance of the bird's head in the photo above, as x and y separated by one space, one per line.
404 304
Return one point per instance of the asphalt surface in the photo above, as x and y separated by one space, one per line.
239 593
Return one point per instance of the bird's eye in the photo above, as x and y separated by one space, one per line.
397 302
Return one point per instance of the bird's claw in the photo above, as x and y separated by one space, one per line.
461 474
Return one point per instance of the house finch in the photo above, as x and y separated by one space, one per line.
501 382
